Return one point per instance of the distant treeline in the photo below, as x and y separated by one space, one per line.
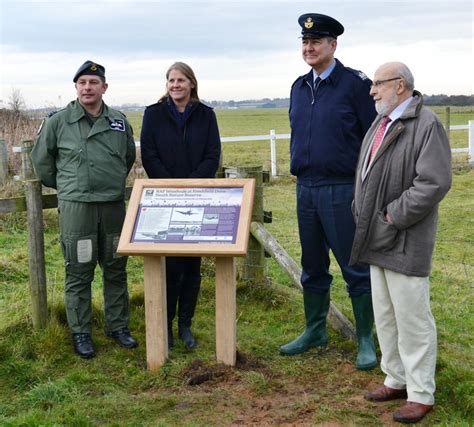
440 100
445 100
455 100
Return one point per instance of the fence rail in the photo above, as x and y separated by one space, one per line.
252 268
270 135
273 137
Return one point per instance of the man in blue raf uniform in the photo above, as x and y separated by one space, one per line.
330 112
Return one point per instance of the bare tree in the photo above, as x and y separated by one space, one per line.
16 101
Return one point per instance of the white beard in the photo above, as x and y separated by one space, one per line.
385 107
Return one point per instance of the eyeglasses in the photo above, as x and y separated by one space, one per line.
378 83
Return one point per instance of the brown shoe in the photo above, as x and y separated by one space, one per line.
411 412
384 393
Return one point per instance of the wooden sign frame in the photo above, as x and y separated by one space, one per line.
238 248
216 203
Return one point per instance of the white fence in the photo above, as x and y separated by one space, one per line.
272 137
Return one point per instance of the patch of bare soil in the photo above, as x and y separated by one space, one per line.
198 372
288 401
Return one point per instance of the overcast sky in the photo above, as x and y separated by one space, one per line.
245 49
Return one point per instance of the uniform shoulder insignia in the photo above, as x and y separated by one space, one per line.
358 73
40 127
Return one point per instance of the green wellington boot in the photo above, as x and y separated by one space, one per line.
316 307
364 316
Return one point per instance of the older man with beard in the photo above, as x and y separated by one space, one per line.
403 172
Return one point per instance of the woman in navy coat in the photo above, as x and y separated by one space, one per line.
180 139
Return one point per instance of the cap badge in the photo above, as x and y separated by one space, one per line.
93 67
309 23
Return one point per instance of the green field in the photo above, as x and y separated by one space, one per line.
43 383
259 121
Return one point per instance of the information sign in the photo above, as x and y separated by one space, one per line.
188 217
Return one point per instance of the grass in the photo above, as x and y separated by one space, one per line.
43 383
259 121
246 122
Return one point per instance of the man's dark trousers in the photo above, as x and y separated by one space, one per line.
325 222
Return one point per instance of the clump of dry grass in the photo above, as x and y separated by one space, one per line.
16 126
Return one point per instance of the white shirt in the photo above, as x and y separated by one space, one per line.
397 112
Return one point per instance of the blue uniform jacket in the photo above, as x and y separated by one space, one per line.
169 151
328 126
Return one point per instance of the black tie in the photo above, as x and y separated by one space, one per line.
316 83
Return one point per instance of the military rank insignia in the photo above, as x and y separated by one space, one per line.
118 124
40 127
309 23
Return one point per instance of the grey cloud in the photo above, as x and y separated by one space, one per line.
218 28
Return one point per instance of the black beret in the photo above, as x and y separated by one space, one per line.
316 25
90 68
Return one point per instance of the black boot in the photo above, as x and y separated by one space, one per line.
316 307
187 336
83 345
187 301
364 316
123 338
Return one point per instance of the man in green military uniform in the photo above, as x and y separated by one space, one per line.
85 151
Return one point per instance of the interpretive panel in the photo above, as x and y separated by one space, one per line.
188 217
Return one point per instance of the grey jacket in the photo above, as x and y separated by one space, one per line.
409 176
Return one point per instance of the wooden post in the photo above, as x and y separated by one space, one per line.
337 320
226 311
3 162
470 157
34 206
448 123
253 265
156 319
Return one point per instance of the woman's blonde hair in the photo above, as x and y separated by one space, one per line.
189 73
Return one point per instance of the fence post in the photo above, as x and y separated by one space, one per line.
470 155
3 162
34 206
448 123
253 266
273 161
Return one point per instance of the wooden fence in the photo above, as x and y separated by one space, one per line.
260 243
252 268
